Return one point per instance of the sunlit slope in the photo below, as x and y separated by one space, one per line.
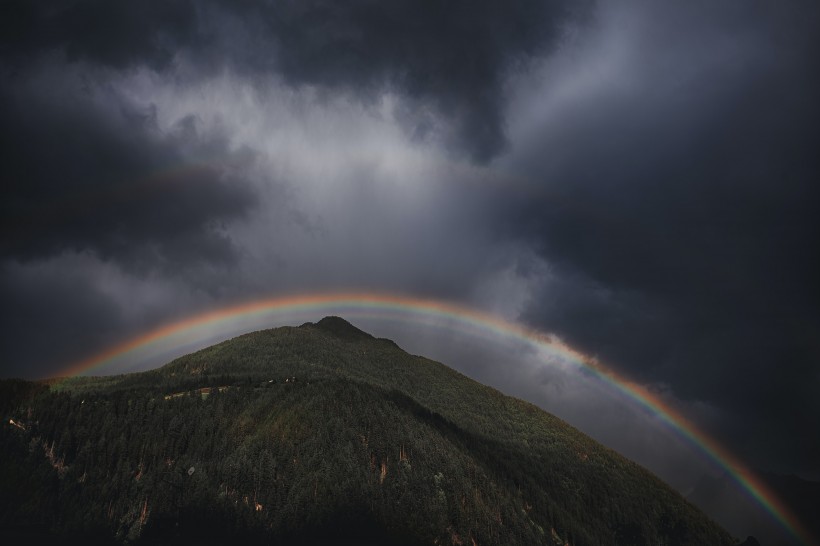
323 432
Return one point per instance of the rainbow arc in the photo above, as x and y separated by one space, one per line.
484 323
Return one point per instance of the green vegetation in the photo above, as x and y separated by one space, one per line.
318 433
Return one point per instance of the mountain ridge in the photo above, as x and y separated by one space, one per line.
323 431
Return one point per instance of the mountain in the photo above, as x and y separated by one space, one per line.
317 434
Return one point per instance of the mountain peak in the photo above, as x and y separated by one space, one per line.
340 328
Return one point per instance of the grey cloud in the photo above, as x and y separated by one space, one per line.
677 201
51 315
120 35
88 169
454 54
449 59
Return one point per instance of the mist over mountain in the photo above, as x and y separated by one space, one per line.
319 433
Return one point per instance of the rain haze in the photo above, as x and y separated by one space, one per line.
637 178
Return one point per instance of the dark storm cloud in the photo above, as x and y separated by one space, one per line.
454 55
87 169
50 316
95 193
679 211
449 59
117 34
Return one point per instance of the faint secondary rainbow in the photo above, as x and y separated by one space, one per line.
483 322
123 191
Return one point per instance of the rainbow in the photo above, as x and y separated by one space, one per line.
484 323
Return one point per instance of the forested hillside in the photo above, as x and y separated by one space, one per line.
317 433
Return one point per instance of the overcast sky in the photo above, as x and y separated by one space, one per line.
637 177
